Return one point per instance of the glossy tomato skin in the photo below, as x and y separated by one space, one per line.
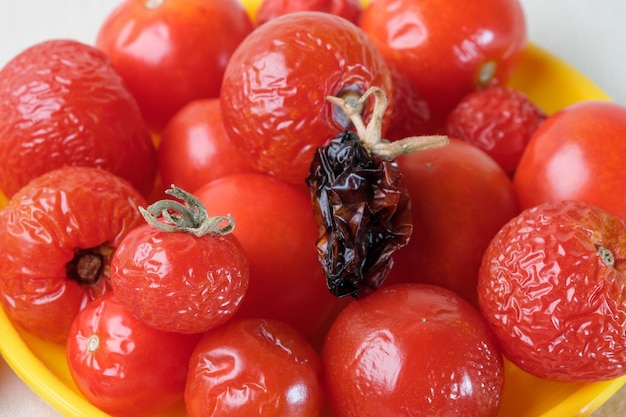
443 46
270 9
254 367
121 365
62 103
195 149
170 52
578 153
552 285
276 83
57 237
460 198
412 350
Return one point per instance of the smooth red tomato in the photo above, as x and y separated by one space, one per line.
552 287
270 9
121 365
276 83
460 198
578 153
170 52
254 367
57 236
412 350
448 47
62 103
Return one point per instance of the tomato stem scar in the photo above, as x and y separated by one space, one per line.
606 255
93 343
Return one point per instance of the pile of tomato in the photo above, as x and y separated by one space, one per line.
159 223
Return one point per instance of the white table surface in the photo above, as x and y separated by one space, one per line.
589 34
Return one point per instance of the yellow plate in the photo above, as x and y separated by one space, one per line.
549 82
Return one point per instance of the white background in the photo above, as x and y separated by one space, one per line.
589 34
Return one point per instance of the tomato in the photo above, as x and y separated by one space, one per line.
460 198
448 48
57 236
412 350
254 367
578 153
195 148
170 52
270 9
183 271
122 366
276 228
276 83
552 288
62 103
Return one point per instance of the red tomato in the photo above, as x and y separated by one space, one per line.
578 153
61 103
448 47
276 228
124 367
254 367
460 198
552 287
412 350
171 52
195 148
276 83
270 9
57 236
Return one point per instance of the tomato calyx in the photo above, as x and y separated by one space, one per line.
190 216
88 266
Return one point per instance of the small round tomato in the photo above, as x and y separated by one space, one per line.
552 287
270 9
254 367
448 48
57 237
276 83
195 148
170 52
412 350
121 365
578 153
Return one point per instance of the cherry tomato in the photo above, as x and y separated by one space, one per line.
552 287
448 47
276 83
121 365
460 198
578 153
270 9
57 236
254 367
276 228
412 350
182 271
62 103
170 52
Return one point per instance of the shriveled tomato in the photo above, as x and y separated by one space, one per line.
170 52
121 365
552 287
62 103
412 350
254 367
578 153
276 83
57 236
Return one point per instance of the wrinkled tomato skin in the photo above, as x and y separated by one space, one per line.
135 370
442 45
578 153
555 304
42 228
460 198
173 52
276 83
412 350
254 367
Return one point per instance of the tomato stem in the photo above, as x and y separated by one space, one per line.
191 217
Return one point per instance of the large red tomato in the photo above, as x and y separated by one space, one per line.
578 153
170 52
